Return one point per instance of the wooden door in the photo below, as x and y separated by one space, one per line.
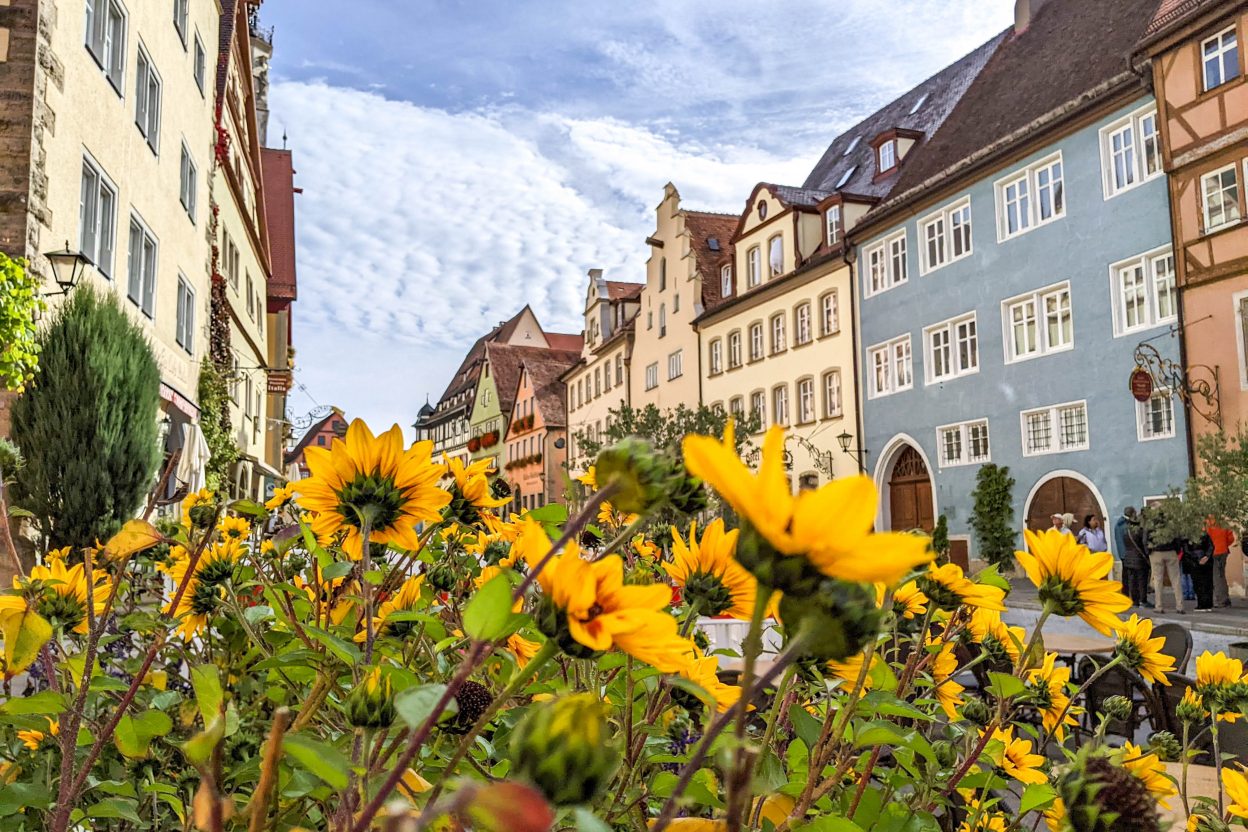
910 494
1061 495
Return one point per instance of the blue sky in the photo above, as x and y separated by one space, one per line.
461 159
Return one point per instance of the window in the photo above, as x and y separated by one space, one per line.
1030 198
1220 57
736 407
952 349
775 256
833 220
849 174
756 341
734 349
754 267
147 100
1154 419
619 370
675 365
189 186
963 444
850 147
886 264
780 404
945 236
1143 292
891 367
597 382
1051 430
725 280
888 156
179 18
805 401
662 273
1039 323
142 270
251 310
106 38
652 376
184 332
801 324
662 319
676 301
831 394
1221 197
606 384
777 333
829 314
97 217
1130 151
200 60
758 407
715 358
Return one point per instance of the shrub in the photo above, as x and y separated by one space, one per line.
992 517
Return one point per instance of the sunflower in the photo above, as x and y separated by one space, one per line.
1141 653
1236 785
1016 758
333 595
909 602
646 549
1048 688
406 599
195 507
703 671
1072 580
64 597
522 648
831 527
948 588
32 738
708 572
204 589
471 497
233 528
982 820
1151 771
488 547
372 476
610 518
944 666
61 554
589 479
849 670
1219 684
281 496
1001 642
1055 815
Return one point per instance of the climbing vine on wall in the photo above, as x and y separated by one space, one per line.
214 421
19 301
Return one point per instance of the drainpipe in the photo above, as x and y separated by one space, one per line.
859 424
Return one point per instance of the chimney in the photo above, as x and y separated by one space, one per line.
595 275
1025 12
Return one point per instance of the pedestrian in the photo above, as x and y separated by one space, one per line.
1068 522
1163 562
1198 562
1059 523
1092 534
1134 556
1221 539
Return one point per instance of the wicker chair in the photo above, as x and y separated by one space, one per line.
1118 681
1178 644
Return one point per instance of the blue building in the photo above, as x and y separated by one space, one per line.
1004 285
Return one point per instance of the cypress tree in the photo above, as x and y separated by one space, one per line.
87 425
993 515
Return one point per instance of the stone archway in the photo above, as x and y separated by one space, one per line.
1062 492
909 497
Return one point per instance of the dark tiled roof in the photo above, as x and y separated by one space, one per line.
619 290
704 227
1069 53
544 375
939 95
465 377
506 362
802 197
279 215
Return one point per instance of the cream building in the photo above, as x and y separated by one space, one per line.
687 250
780 342
599 382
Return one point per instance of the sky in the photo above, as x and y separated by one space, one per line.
461 158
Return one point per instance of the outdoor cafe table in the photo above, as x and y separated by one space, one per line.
1202 781
1069 647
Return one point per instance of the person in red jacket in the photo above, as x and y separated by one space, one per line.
1222 540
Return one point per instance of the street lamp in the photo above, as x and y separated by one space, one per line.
845 439
67 268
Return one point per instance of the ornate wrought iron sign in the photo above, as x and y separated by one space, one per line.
1197 386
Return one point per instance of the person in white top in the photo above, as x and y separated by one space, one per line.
1059 523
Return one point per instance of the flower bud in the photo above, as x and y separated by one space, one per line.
976 711
371 703
639 474
1166 746
835 622
946 752
563 748
686 492
442 577
1190 708
495 551
1116 708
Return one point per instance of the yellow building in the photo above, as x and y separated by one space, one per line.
780 342
599 382
687 251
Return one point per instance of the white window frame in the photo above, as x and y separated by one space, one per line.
1226 222
882 269
675 365
725 280
199 67
1143 427
734 355
779 333
102 245
943 221
780 405
1137 147
953 330
1055 428
736 407
833 407
754 267
829 307
898 356
1219 53
802 331
1239 307
148 86
180 14
760 342
832 223
184 325
964 456
1149 265
101 36
1029 213
188 185
775 256
715 357
1037 299
142 294
652 375
758 404
886 161
806 400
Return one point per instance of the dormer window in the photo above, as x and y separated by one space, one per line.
833 219
887 155
725 281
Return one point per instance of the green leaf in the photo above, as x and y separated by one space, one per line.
326 762
488 616
25 633
16 797
587 821
116 807
415 705
337 570
134 735
829 823
249 507
258 613
1036 796
1004 685
991 575
804 725
345 651
115 787
199 747
208 694
879 733
102 683
883 703
45 702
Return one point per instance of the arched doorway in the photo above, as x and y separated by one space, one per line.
1062 493
910 492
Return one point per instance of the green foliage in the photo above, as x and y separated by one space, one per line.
664 429
1219 489
940 539
19 342
88 424
214 421
992 517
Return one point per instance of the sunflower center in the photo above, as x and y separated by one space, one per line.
370 495
216 571
940 594
65 610
708 592
495 551
204 598
1130 652
1062 595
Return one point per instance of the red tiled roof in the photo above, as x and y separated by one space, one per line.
279 214
703 228
1172 10
565 341
619 290
544 375
506 361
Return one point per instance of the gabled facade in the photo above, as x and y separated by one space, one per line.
600 381
321 434
1004 288
535 442
687 250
